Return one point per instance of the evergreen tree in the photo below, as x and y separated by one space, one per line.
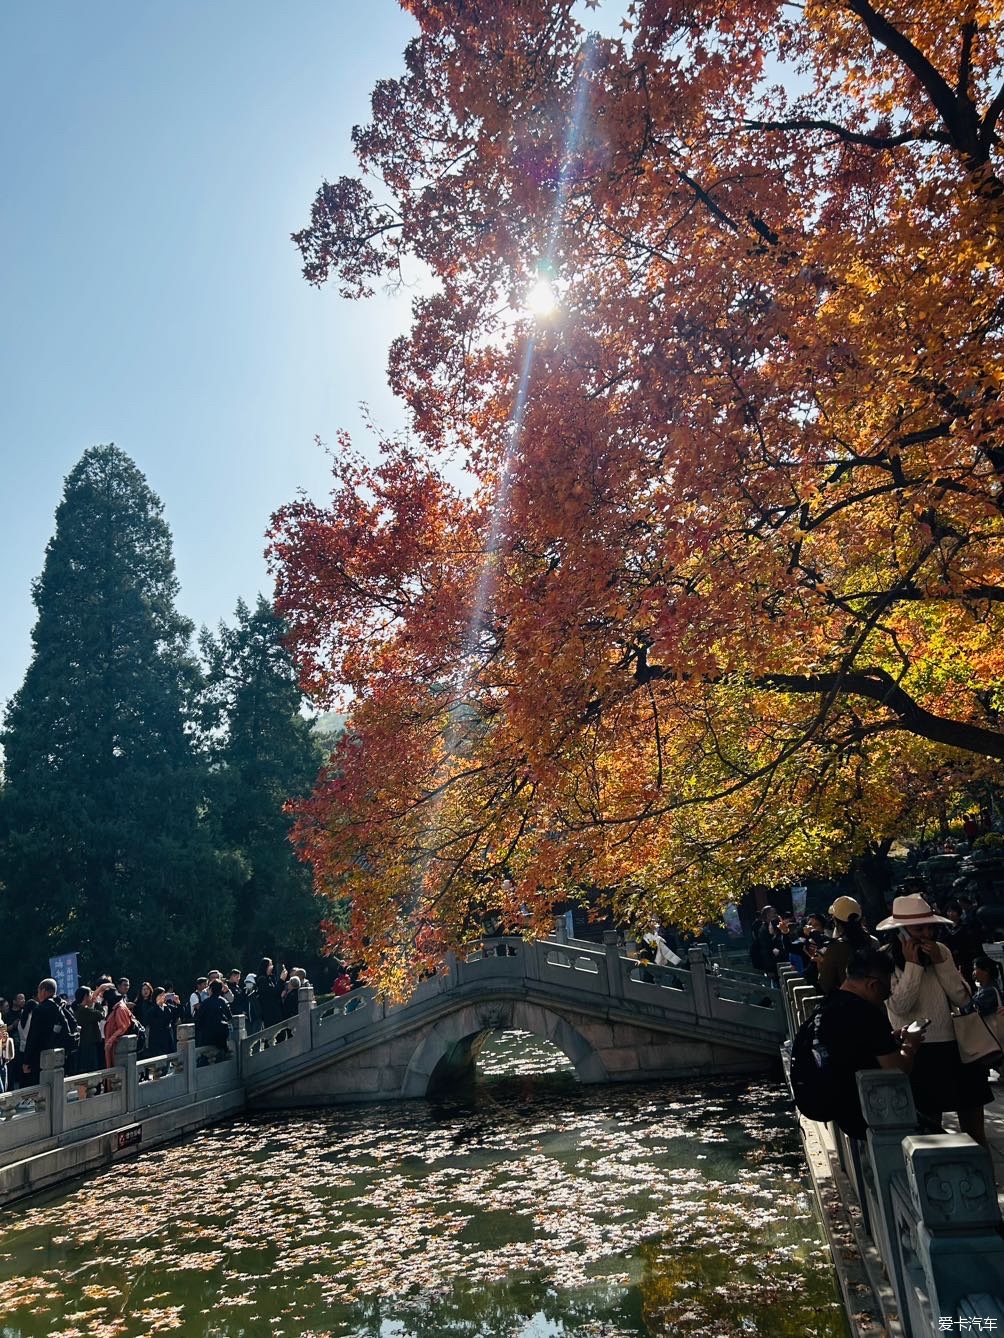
264 753
104 851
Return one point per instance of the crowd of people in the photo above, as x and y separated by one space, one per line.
89 1026
891 994
889 990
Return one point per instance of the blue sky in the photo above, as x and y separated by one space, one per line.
156 156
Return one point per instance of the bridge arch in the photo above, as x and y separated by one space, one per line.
450 1047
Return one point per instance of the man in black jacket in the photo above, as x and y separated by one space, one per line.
215 1018
45 1033
855 1033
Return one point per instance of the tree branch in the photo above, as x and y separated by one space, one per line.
846 136
950 107
881 687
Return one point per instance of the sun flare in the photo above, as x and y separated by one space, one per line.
541 300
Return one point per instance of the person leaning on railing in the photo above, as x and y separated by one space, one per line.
117 1023
217 1019
162 1017
269 989
44 1032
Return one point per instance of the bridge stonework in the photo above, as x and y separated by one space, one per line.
615 1020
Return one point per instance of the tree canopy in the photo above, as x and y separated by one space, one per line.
262 753
102 850
724 600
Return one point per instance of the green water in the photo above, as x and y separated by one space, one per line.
530 1208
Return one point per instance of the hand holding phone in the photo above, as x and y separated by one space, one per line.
913 949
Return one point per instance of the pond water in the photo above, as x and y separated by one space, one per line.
528 1207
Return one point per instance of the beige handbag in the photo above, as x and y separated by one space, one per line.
976 1036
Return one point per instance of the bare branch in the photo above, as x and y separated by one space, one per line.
845 136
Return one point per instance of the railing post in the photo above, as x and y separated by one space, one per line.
699 981
803 1001
528 951
186 1048
452 970
239 1037
787 977
125 1058
612 952
304 1005
957 1233
888 1110
560 929
50 1076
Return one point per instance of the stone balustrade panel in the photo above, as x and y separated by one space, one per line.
92 1097
572 967
24 1117
496 957
215 1071
342 1017
161 1080
671 987
269 1049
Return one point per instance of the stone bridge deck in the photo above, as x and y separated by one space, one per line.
615 1019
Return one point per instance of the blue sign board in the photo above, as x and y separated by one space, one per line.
64 972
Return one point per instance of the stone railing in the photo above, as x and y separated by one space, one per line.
928 1203
698 987
62 1110
584 973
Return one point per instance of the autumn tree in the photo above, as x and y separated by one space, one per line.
263 753
103 851
724 600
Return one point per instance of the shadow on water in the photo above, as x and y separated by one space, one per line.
523 1206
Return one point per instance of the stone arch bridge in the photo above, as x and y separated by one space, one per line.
616 1019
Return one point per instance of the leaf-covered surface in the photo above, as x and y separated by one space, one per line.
528 1211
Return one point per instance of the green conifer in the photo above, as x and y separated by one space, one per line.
104 850
264 753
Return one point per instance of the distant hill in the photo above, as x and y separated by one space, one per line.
330 724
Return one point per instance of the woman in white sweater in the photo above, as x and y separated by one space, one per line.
927 985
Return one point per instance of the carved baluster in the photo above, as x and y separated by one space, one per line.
305 1004
186 1048
958 1237
125 1058
51 1080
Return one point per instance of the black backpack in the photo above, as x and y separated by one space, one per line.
812 1080
67 1032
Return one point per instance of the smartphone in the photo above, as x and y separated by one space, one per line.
916 1028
